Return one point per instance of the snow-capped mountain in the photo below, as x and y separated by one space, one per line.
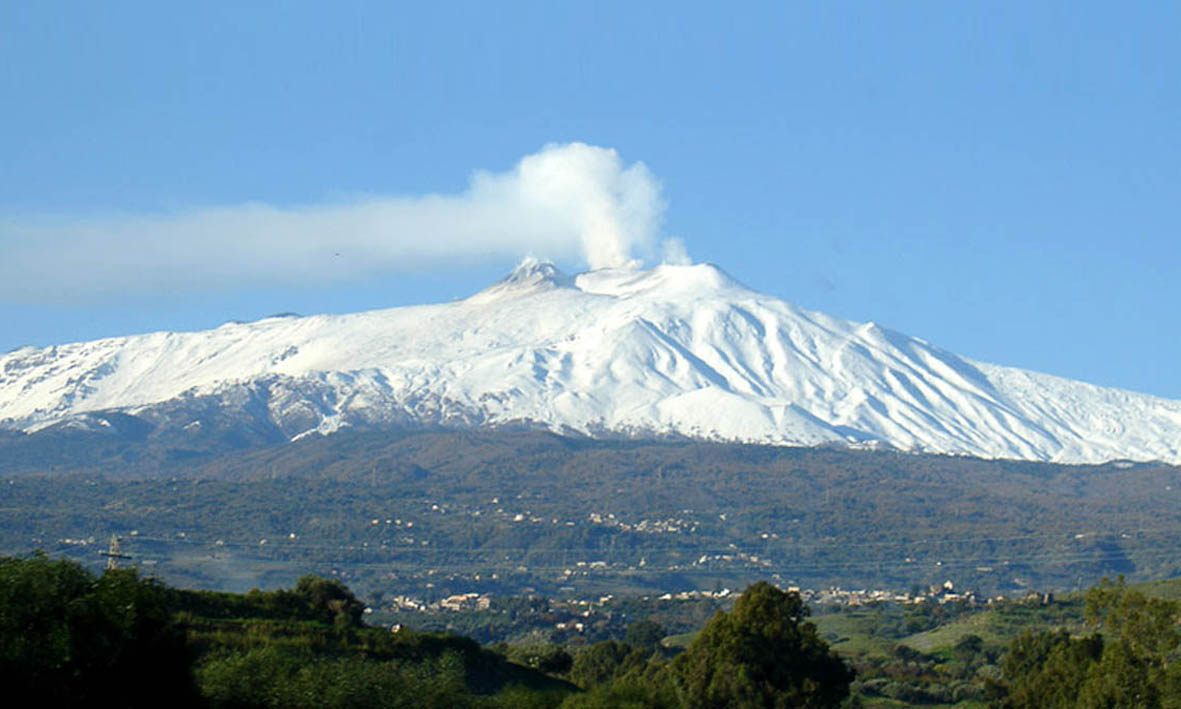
675 350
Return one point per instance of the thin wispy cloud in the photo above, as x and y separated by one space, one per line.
565 202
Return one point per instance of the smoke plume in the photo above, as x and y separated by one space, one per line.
565 202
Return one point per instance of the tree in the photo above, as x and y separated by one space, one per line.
968 646
1121 678
1046 668
70 639
606 661
1139 666
626 693
331 600
1133 665
548 658
761 654
645 634
1148 625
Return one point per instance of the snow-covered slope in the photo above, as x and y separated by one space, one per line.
681 350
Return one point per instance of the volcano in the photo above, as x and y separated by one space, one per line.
671 351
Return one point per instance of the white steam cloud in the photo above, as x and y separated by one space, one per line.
564 202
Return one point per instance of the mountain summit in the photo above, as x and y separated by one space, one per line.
669 351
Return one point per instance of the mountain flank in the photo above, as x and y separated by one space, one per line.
674 351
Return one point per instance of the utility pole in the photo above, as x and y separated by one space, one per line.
113 554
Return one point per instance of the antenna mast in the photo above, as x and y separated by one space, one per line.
113 554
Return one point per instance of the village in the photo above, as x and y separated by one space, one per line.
823 599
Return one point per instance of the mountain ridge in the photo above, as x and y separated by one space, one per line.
668 351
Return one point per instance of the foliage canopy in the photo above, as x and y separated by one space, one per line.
761 654
1133 664
68 638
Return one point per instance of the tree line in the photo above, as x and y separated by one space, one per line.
69 637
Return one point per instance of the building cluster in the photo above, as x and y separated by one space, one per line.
457 602
671 525
836 595
734 558
695 595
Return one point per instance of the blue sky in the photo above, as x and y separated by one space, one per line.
1000 179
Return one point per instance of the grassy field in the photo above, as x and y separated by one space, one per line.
946 636
849 634
1169 589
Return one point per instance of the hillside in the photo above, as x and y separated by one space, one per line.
433 513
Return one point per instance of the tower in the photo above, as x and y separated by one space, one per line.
113 554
